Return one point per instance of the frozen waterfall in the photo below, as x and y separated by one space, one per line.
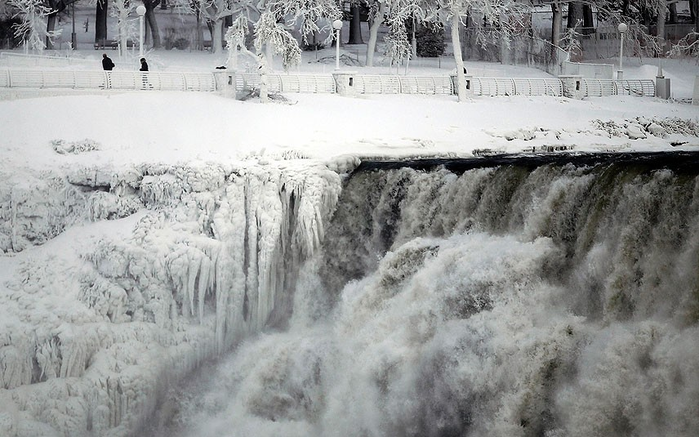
92 338
548 296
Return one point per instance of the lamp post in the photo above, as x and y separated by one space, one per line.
141 11
337 25
622 29
74 36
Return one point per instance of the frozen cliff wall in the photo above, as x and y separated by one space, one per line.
123 282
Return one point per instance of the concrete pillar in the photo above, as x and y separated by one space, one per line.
662 85
345 83
572 86
468 79
225 83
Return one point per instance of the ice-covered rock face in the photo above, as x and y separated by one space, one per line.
179 264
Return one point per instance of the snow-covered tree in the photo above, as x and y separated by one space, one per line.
570 42
278 16
33 27
151 22
121 9
687 46
394 13
215 12
397 44
377 11
235 41
493 20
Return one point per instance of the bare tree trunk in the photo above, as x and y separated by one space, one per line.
101 12
673 13
373 34
588 20
199 35
556 23
217 36
153 25
50 27
662 14
355 29
269 56
456 44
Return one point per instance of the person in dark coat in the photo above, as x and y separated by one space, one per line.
107 63
144 67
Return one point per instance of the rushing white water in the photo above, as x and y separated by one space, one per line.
556 301
525 299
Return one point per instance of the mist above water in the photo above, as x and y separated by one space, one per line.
558 300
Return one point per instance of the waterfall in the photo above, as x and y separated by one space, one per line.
549 295
550 298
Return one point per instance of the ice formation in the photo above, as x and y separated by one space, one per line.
90 340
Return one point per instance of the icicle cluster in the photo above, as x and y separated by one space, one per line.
89 342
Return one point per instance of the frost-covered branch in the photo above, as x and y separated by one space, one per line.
32 29
570 42
269 31
120 10
278 15
235 41
687 46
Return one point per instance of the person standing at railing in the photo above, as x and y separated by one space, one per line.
144 68
107 63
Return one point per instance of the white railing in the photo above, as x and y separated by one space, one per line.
608 87
501 86
114 80
307 83
382 84
50 59
288 83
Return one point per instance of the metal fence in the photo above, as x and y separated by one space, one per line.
500 86
114 80
287 83
606 87
321 83
49 59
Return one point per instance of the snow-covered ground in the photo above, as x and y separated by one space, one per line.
169 127
106 199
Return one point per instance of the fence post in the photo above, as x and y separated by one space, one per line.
572 86
225 82
662 85
695 96
345 83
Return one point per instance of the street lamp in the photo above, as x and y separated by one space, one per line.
337 25
74 36
622 29
141 11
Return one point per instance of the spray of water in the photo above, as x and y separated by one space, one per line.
508 301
